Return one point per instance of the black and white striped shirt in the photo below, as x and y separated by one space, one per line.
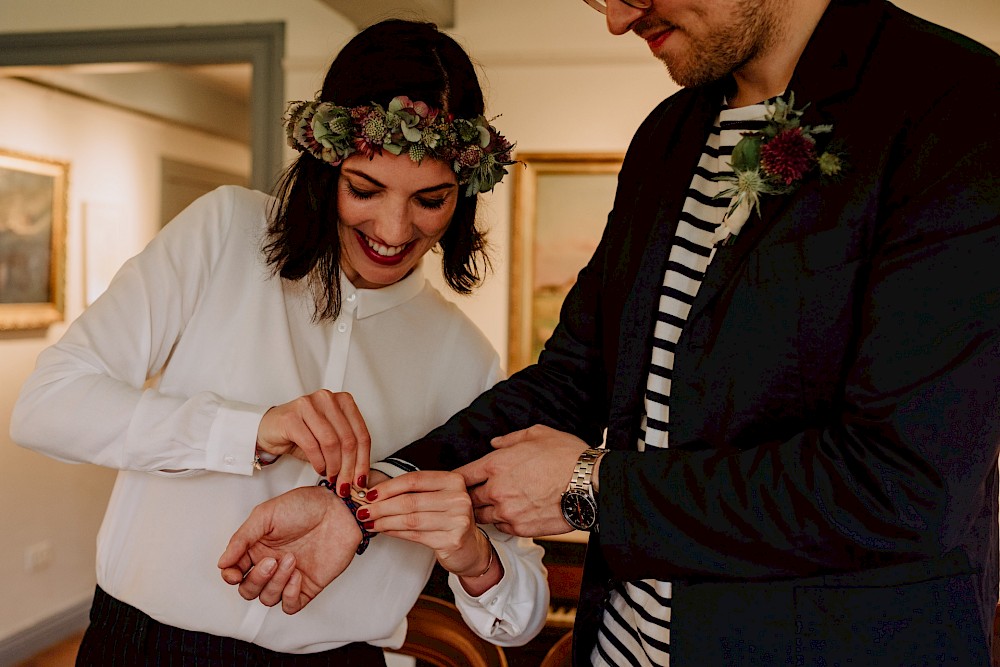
636 624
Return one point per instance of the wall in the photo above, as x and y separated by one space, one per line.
114 161
559 80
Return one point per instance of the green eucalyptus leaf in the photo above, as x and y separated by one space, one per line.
746 153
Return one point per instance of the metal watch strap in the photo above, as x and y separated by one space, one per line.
584 470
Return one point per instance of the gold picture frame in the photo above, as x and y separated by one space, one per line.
33 193
561 203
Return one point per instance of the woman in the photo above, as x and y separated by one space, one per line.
271 336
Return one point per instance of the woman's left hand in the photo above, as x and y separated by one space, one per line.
433 508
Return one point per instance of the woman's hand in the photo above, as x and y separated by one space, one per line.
291 547
433 508
324 428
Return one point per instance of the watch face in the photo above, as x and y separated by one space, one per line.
579 510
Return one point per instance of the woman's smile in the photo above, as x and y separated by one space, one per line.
383 254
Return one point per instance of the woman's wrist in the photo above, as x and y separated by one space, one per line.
263 458
483 577
491 555
491 560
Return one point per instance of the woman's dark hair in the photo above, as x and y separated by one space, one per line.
385 60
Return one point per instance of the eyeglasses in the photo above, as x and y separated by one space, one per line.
602 5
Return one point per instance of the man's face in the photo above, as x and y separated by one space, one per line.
701 41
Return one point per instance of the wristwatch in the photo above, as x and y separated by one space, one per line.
579 507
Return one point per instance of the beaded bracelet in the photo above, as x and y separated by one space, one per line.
353 507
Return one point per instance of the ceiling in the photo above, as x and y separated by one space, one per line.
215 98
365 12
210 98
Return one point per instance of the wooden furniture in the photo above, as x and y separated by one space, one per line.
561 653
564 563
437 635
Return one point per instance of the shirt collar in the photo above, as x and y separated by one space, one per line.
362 303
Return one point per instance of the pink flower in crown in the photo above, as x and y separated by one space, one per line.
422 109
788 156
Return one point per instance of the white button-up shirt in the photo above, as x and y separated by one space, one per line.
166 376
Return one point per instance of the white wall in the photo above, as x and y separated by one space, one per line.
561 82
114 162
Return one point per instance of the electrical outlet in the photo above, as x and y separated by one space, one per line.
38 556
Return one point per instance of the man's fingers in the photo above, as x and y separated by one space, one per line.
513 438
485 515
474 473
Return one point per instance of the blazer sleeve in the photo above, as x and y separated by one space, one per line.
564 390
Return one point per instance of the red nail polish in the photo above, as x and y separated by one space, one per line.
345 489
362 481
369 525
371 495
363 514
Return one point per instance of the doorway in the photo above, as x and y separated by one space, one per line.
261 45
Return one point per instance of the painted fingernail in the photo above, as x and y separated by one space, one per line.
363 514
362 481
369 525
371 495
345 490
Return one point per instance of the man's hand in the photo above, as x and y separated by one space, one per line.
324 428
518 486
291 547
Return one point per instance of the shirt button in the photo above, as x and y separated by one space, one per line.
230 459
342 327
351 298
493 601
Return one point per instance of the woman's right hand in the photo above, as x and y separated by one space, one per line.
324 428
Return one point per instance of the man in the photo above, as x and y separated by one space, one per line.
795 353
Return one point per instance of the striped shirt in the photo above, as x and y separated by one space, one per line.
635 629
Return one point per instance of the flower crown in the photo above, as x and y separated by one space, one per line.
474 149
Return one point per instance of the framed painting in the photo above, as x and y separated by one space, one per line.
32 241
561 203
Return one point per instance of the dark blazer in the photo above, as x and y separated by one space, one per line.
830 495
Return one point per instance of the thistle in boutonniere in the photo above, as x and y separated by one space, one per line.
773 161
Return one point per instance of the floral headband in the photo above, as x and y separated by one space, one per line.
473 148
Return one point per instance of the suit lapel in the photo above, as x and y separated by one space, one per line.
654 217
829 67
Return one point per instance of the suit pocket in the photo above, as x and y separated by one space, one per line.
933 622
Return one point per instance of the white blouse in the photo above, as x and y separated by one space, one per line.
166 376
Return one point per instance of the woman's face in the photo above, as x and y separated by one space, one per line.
392 211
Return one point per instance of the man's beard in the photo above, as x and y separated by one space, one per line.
727 48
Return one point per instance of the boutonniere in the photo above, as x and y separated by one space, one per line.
773 161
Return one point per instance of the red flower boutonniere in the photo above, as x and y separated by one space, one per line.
773 161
